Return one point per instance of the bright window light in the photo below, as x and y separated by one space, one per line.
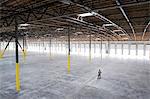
116 50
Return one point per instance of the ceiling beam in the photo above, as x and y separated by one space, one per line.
145 30
101 17
127 19
123 5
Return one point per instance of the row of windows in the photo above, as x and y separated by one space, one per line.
118 49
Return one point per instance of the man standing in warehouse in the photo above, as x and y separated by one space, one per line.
99 74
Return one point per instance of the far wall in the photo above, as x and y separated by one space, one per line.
125 49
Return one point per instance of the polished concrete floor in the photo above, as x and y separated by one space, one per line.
45 77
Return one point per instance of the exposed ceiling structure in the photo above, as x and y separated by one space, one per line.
114 20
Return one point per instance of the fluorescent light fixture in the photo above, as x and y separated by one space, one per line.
104 25
87 14
125 38
59 29
98 39
117 30
24 24
79 33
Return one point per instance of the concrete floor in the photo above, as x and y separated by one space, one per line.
43 77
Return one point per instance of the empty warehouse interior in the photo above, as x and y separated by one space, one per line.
74 49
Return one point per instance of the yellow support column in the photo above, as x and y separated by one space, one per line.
68 67
17 58
24 53
1 54
50 47
17 77
68 63
90 57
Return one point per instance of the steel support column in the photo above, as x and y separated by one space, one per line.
144 49
61 46
101 50
69 50
129 48
115 48
84 47
122 48
0 46
76 48
17 58
94 47
108 47
90 56
136 49
39 46
50 48
22 49
43 45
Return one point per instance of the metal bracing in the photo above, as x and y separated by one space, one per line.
123 5
22 48
126 17
33 11
56 10
1 54
26 12
101 17
145 29
89 25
